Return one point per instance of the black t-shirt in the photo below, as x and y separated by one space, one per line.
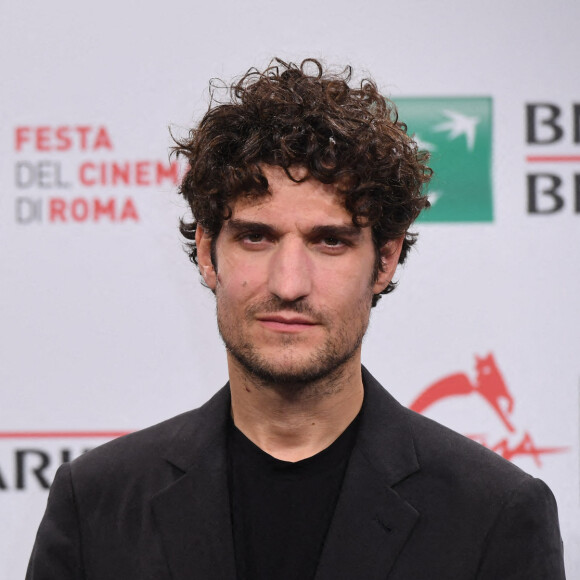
281 510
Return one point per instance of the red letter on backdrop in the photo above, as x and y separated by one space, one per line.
22 136
171 172
120 173
142 173
43 138
102 141
129 211
83 173
56 209
107 209
79 209
63 139
83 131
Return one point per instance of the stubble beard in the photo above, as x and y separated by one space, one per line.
319 373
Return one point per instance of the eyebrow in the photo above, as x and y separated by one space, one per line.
238 226
336 231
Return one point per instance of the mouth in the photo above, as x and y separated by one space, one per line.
286 323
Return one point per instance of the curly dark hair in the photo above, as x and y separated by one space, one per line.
301 115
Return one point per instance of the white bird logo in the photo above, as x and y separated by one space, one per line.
457 125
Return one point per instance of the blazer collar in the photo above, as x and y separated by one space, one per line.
371 522
193 513
385 438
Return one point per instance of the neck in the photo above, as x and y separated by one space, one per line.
293 424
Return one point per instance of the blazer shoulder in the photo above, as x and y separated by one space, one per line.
442 456
174 440
480 503
466 498
446 454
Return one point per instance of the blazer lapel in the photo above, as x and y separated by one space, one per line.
193 513
371 522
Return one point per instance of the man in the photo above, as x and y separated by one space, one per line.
302 190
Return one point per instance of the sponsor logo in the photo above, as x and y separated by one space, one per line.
553 158
490 388
33 461
71 174
457 131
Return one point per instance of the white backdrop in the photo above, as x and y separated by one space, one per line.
104 325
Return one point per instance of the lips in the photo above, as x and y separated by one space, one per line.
286 319
286 323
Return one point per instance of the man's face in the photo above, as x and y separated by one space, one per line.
294 281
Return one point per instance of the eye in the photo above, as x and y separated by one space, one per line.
333 245
253 237
333 242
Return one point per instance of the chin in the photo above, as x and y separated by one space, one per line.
291 374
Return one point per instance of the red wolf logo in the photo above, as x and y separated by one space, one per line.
490 386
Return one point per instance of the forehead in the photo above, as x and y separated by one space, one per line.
288 201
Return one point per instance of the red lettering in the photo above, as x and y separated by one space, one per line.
79 209
525 447
135 173
83 131
56 209
171 172
102 141
100 209
83 169
120 174
142 173
43 138
64 142
129 211
22 136
63 138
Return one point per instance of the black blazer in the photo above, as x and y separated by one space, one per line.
418 502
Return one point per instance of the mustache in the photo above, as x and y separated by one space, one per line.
273 304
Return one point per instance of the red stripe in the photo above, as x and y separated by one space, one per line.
61 434
553 158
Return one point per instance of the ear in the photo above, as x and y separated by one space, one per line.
206 267
389 256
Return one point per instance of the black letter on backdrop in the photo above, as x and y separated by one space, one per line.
21 455
576 115
549 189
550 121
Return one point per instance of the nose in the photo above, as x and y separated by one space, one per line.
290 272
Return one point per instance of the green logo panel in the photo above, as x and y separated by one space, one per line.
457 131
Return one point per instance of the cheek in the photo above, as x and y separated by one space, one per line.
351 278
237 283
344 291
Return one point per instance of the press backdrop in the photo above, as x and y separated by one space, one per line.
105 327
